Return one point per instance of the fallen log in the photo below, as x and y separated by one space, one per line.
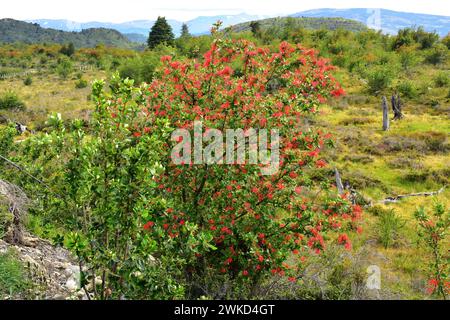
419 194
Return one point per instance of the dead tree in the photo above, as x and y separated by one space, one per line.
339 185
396 106
384 105
17 202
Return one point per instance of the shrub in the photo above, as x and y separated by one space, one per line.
28 81
405 37
442 79
407 89
174 231
68 50
64 68
438 54
13 280
408 57
433 233
379 79
388 228
81 83
140 69
446 41
10 100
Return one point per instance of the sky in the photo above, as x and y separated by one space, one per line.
183 10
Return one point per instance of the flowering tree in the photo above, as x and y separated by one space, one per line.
255 221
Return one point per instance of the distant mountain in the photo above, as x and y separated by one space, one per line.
307 23
19 31
197 26
136 37
389 21
202 25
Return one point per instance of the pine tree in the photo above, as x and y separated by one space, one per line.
256 28
161 33
185 31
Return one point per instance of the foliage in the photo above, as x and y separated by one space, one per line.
161 33
28 81
68 50
388 227
140 69
379 79
236 206
18 31
438 54
442 79
150 229
10 100
64 68
185 31
13 279
433 231
81 83
408 57
410 36
407 89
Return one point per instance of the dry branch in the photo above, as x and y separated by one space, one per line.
419 194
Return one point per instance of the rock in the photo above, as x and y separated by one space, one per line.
52 269
72 285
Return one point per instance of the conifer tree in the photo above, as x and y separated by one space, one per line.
161 32
185 31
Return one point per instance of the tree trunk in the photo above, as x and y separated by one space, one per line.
385 114
396 107
339 184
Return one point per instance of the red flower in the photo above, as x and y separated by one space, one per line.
320 163
137 134
245 273
432 286
149 225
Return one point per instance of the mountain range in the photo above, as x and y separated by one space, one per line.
139 29
20 31
387 20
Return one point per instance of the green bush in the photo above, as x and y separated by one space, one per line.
389 227
64 68
379 79
13 279
442 79
28 81
10 100
81 83
408 57
407 89
140 69
438 54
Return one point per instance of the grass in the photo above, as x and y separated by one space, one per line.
13 279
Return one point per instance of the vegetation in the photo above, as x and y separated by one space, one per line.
161 33
10 100
433 231
14 31
13 279
175 232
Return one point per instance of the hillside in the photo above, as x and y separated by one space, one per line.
390 21
197 26
307 23
18 31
